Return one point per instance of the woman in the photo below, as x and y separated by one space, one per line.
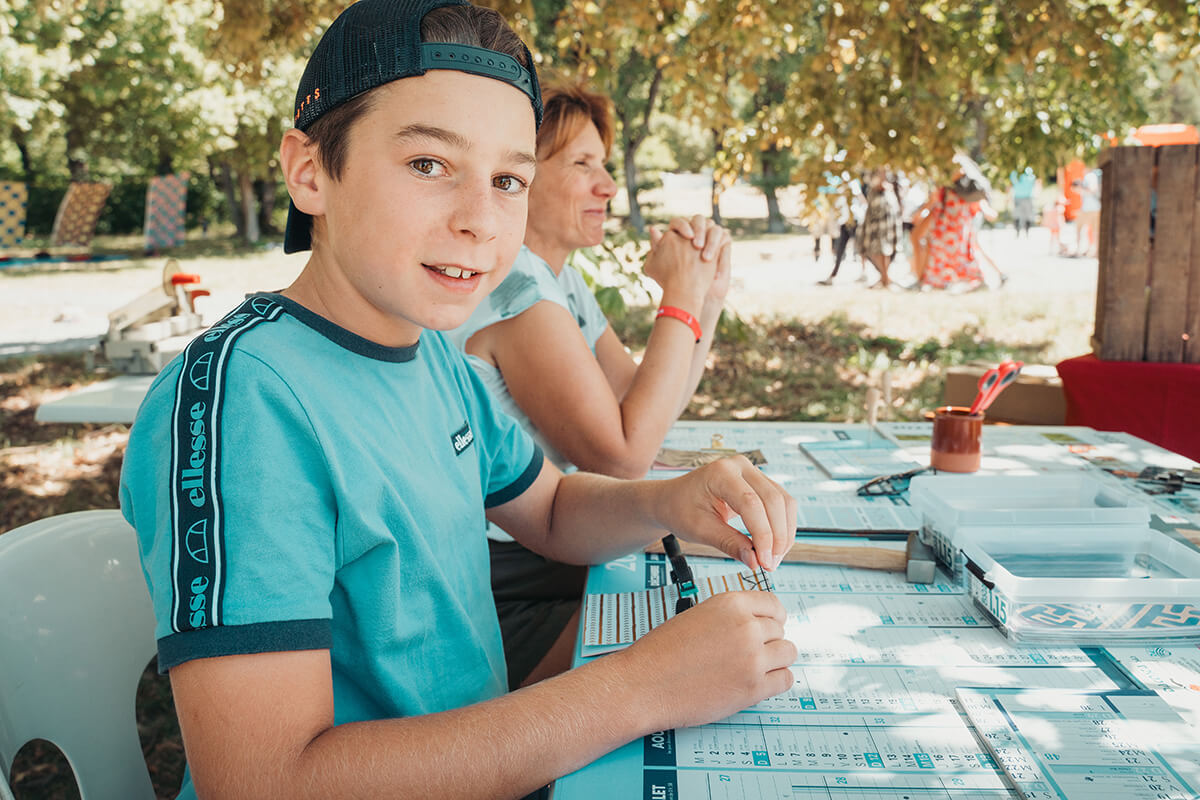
545 349
879 238
944 244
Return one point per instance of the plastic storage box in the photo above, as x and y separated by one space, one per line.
949 503
1070 584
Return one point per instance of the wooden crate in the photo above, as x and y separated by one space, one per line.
1148 288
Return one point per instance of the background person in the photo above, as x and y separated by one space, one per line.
1087 221
324 614
544 348
879 236
1024 187
846 225
945 236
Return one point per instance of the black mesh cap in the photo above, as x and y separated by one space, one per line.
374 42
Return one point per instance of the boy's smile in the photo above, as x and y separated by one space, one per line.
429 212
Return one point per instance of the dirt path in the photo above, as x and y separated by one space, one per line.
54 310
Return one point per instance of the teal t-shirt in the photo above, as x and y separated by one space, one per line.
530 282
296 487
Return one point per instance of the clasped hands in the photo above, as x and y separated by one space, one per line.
692 261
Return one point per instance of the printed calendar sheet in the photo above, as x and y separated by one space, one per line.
1120 745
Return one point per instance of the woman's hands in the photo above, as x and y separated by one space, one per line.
691 261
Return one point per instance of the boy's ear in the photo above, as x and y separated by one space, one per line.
301 173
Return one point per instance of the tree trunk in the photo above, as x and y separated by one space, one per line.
718 146
770 186
265 190
631 139
631 187
21 140
221 174
775 223
77 167
978 106
249 216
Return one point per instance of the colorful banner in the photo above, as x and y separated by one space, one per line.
14 198
75 223
166 202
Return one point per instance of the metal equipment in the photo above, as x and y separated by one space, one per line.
147 332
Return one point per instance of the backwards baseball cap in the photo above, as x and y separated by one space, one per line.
374 42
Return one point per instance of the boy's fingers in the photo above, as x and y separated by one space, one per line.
781 517
760 503
780 680
746 502
655 235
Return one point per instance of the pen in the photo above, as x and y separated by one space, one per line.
681 574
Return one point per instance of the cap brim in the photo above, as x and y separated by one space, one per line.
297 236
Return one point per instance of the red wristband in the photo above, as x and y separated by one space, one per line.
682 316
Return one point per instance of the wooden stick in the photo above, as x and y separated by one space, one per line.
806 552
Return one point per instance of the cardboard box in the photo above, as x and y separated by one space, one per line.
1035 399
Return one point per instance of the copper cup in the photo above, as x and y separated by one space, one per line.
956 436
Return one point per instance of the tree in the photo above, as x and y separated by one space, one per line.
116 80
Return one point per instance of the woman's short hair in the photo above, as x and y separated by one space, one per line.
568 107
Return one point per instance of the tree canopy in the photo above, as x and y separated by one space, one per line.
784 92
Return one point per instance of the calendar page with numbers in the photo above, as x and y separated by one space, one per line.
1118 745
898 685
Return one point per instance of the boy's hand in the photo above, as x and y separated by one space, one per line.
713 660
697 507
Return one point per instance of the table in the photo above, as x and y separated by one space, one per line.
879 709
113 400
1154 401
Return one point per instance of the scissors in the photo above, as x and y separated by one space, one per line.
994 381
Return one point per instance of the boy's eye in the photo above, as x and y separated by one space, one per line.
427 166
509 183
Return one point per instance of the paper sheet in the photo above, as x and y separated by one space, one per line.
1122 745
1171 671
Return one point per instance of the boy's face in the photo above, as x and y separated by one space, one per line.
430 209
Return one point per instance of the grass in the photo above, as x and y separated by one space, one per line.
767 368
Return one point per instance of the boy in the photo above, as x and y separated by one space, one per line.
309 479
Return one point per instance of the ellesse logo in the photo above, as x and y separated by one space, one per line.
197 541
199 372
462 438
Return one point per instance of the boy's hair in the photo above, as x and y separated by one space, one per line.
374 42
568 107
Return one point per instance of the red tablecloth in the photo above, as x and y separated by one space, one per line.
1156 402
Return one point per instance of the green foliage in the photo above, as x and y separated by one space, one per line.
124 91
690 147
792 370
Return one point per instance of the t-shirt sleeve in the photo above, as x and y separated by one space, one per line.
528 283
509 459
587 312
227 488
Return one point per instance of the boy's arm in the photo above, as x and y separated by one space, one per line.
263 725
583 518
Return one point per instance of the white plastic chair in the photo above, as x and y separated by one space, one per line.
76 633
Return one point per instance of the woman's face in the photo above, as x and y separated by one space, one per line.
568 200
